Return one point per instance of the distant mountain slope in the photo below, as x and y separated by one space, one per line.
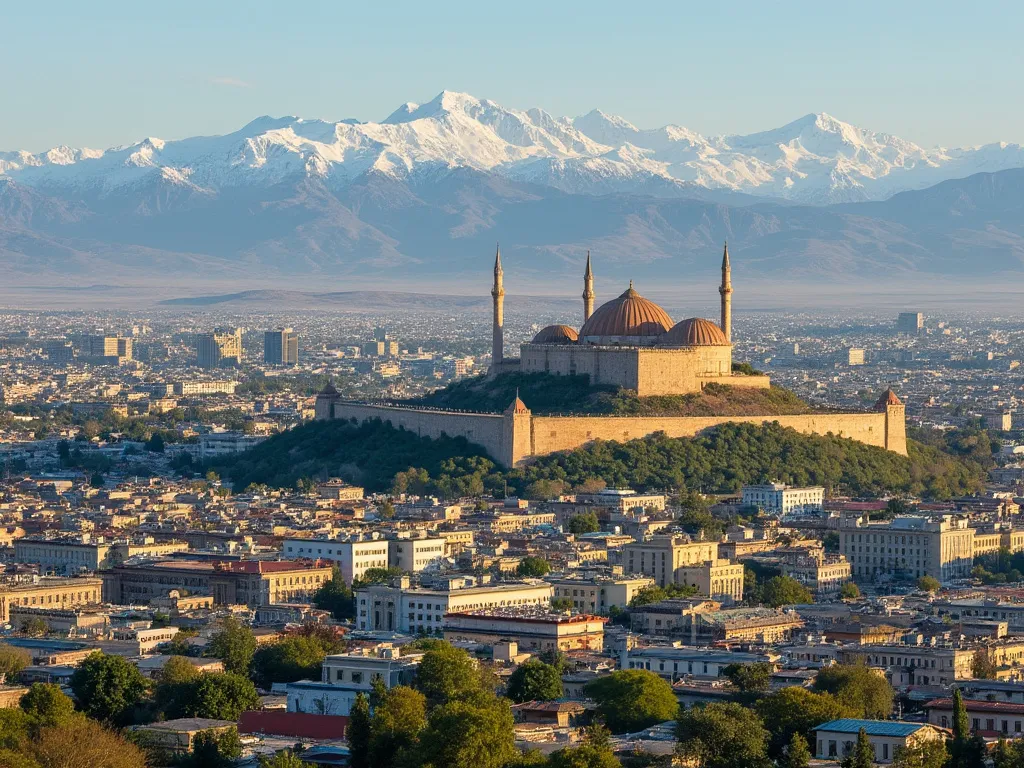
398 231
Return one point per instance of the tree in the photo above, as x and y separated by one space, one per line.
47 706
722 736
215 750
795 710
862 755
533 567
850 591
446 673
34 626
561 604
358 732
155 444
220 696
291 659
97 481
85 743
108 687
749 678
964 751
983 665
863 691
595 751
395 729
234 644
469 734
284 759
797 754
335 596
179 645
175 686
12 661
785 590
583 523
928 584
535 681
633 699
929 754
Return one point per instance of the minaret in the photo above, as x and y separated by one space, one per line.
588 291
498 327
726 291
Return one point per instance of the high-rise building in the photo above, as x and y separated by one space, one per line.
58 352
221 347
855 356
281 347
109 348
910 323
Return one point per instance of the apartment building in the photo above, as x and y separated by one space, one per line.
908 548
221 347
718 579
675 662
781 499
598 594
924 664
663 557
354 557
416 554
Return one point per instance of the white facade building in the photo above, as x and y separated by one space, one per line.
353 556
780 499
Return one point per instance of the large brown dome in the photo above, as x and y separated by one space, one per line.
556 334
694 332
628 315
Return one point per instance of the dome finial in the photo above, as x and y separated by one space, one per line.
631 285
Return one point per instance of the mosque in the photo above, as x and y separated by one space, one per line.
628 342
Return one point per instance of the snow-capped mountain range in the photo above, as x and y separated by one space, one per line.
816 159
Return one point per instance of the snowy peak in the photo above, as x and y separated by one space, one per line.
815 159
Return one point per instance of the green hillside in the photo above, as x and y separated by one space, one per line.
546 393
722 459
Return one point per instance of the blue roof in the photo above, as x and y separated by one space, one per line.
872 727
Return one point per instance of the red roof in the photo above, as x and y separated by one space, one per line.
299 725
888 398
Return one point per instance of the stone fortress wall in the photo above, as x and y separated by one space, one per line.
518 435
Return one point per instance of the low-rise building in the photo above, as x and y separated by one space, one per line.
780 499
836 739
533 628
49 592
598 594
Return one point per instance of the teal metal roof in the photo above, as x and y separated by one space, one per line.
872 727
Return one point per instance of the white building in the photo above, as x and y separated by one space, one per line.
780 499
415 555
836 739
213 444
406 609
346 675
353 556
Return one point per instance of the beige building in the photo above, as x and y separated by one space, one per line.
718 579
337 490
50 592
823 575
243 582
663 557
908 548
71 555
402 608
598 594
925 664
533 628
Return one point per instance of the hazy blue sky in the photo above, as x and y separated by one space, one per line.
109 72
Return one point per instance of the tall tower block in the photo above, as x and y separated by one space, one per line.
498 325
588 291
726 292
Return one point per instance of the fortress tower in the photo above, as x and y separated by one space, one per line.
588 291
498 325
726 292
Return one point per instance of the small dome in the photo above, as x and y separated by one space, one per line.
556 334
695 332
628 315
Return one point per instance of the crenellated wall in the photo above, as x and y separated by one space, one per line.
510 438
